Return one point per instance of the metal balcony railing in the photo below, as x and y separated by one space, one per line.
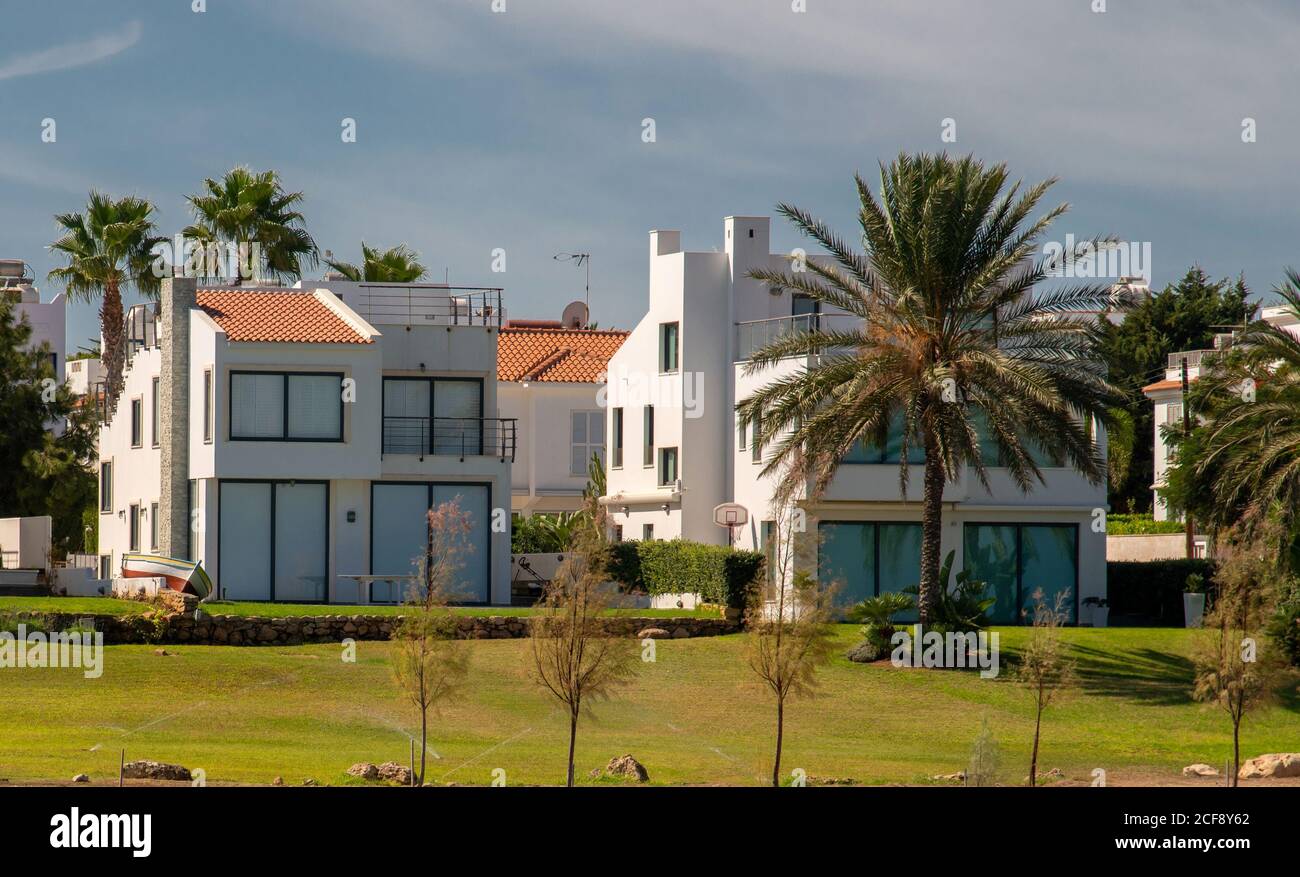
753 335
451 436
1193 358
408 305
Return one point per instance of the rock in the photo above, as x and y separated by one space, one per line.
365 770
958 777
1277 764
1199 770
278 781
81 778
309 782
155 770
653 633
862 653
627 766
162 653
395 773
595 774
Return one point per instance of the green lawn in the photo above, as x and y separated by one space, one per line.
692 716
107 605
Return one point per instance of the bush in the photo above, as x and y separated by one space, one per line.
718 574
1285 625
1139 525
1149 593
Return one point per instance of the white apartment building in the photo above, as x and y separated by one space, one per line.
292 440
675 450
47 319
550 380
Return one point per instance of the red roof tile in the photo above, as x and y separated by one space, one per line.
1163 385
276 315
558 355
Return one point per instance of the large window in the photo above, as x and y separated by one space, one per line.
433 415
648 435
616 449
277 406
668 347
273 540
106 487
137 422
1023 563
667 467
155 412
153 526
866 559
133 525
891 451
586 437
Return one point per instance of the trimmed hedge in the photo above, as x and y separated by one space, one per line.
718 574
1139 525
1149 593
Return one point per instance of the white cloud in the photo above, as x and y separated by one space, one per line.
70 55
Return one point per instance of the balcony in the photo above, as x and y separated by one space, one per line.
754 335
436 305
450 437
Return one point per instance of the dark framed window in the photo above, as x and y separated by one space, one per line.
755 446
137 423
667 466
106 487
869 558
618 532
647 532
433 416
207 405
648 435
668 347
1022 563
586 438
286 406
616 441
133 524
156 413
153 526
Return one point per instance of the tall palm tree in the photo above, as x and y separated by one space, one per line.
952 347
397 264
108 249
247 208
1241 463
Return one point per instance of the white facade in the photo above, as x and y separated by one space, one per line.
543 477
322 519
721 314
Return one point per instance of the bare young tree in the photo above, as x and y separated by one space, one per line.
430 661
1044 670
575 658
1236 666
789 623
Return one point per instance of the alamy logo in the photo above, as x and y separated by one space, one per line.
1087 259
77 830
951 650
36 649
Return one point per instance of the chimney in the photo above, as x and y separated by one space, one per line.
178 298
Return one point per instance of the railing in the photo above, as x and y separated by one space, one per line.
1193 358
754 335
451 436
409 305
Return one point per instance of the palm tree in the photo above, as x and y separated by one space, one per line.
246 209
952 347
1241 464
108 249
397 264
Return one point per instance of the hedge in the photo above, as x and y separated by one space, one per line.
1149 593
1139 525
719 575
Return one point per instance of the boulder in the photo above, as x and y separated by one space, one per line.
1199 770
626 765
653 633
393 772
278 781
959 777
81 778
863 653
155 770
1277 764
365 770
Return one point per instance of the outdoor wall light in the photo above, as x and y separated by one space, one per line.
665 508
352 516
623 510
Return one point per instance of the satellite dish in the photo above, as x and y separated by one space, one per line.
574 316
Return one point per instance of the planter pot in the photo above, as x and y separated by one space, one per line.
1100 615
1193 609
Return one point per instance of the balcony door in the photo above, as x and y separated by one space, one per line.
433 416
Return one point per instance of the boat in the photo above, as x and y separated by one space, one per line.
184 576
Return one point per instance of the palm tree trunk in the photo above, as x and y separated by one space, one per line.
573 737
931 530
780 733
114 348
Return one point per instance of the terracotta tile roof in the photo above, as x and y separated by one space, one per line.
555 354
1167 384
276 315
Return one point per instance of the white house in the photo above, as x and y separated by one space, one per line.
293 439
551 381
48 319
675 450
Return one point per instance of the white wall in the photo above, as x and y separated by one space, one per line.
541 479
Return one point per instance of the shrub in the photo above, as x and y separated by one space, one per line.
1285 624
1139 525
1150 592
718 574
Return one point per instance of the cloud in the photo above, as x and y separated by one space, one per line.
72 55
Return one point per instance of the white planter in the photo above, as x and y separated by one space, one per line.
1193 609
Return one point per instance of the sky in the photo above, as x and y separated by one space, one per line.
522 129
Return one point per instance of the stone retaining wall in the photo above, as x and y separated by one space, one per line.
235 630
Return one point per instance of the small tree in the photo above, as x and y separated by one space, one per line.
431 662
789 633
985 758
574 657
1236 667
1044 670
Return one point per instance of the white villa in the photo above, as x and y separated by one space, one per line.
675 450
48 319
292 439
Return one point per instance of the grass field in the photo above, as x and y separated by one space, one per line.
249 715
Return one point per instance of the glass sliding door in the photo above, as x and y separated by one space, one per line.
244 564
398 537
1049 560
900 562
301 542
990 555
847 559
406 416
471 585
458 412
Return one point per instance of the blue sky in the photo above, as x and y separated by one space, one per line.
522 130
